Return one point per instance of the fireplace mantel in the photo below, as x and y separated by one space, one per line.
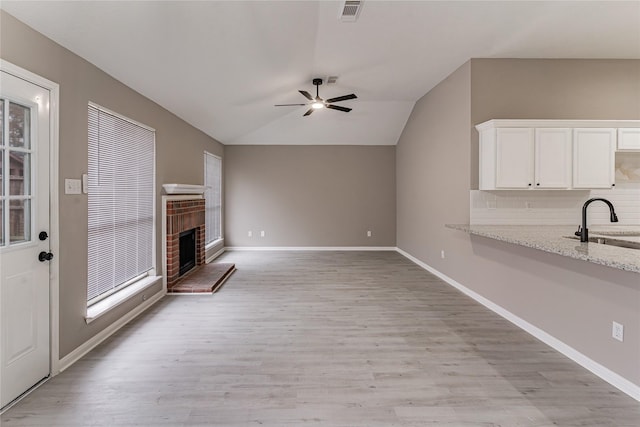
183 189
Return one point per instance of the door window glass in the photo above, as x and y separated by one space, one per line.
19 220
19 174
19 126
16 156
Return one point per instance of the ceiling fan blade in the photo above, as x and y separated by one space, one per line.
306 94
342 98
339 108
308 112
287 105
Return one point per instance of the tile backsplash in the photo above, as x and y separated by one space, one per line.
553 207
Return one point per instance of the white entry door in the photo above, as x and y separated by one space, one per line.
24 243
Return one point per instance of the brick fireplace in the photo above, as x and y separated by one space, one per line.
183 215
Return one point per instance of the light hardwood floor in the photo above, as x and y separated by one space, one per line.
324 339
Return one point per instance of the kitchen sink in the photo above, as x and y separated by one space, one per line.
617 233
609 241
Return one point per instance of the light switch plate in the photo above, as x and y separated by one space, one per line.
72 186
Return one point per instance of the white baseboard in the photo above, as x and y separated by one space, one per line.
94 341
601 371
214 256
311 248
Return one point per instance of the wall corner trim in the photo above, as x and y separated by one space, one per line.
616 380
94 341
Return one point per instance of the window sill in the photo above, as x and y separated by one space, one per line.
100 308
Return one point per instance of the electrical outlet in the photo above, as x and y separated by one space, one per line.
617 332
249 233
442 254
262 233
368 233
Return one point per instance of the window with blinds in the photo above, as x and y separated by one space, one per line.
121 177
213 197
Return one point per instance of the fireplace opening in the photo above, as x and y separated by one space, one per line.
187 251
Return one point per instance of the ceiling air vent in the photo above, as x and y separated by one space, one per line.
332 79
350 10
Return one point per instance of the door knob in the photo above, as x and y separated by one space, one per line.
45 256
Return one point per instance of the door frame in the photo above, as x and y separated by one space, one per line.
54 231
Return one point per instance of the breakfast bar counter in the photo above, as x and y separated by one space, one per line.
556 239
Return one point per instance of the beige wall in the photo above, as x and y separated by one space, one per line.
572 300
310 195
179 158
433 167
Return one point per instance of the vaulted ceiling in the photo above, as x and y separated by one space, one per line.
222 65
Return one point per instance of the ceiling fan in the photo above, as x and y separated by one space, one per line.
318 103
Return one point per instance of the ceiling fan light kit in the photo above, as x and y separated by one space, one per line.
318 103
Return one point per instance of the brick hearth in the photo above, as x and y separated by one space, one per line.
183 215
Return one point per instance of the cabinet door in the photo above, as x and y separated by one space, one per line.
553 158
514 157
594 157
629 139
487 165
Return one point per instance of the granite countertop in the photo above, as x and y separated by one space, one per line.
552 238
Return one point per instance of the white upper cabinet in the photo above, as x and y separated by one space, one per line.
553 158
552 154
533 158
514 161
629 139
594 157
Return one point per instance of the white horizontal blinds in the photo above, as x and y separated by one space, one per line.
121 211
213 197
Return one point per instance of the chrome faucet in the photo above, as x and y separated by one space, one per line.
583 232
